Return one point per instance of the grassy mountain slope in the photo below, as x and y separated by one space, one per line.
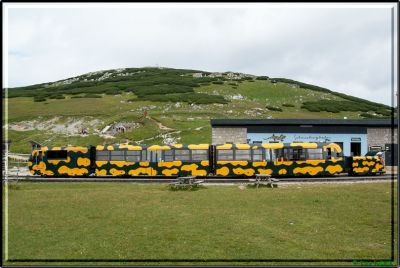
178 103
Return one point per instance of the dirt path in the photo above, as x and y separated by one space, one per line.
160 126
158 136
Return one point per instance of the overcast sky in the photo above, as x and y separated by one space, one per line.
344 48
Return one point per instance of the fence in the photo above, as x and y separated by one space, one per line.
15 164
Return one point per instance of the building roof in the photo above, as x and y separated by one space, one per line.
305 122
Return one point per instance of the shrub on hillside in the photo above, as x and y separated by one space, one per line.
57 97
92 96
262 77
39 99
273 108
325 90
367 115
112 92
288 105
197 98
384 112
336 106
159 90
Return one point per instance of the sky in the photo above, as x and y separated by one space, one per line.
346 48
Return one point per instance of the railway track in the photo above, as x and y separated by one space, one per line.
206 180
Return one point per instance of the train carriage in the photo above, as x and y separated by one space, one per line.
279 159
68 161
155 160
366 165
226 160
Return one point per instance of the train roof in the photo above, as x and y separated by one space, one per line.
308 122
277 145
203 146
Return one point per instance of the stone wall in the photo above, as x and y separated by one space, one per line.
221 135
381 136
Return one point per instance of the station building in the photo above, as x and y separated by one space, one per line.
356 137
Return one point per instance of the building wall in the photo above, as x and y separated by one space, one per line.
373 137
381 136
221 135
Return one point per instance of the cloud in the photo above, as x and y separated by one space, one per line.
344 49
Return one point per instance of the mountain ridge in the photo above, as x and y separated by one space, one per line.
140 100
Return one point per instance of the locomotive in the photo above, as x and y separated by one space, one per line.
202 160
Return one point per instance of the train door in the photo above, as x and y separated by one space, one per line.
36 158
92 157
390 155
40 159
212 159
329 153
153 157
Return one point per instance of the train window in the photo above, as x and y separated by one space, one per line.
62 154
102 155
182 154
329 152
169 155
315 154
257 154
199 155
294 154
117 155
133 156
242 155
144 155
267 154
299 154
276 154
224 154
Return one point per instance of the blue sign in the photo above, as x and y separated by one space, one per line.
346 139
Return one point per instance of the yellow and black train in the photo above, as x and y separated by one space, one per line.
226 160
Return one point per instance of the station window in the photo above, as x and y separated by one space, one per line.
257 154
199 155
102 155
133 156
182 154
315 154
169 155
225 154
59 154
117 155
242 154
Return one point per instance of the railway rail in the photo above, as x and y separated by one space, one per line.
30 178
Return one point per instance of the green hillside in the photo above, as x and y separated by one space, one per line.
163 105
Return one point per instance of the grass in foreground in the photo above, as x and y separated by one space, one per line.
121 221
